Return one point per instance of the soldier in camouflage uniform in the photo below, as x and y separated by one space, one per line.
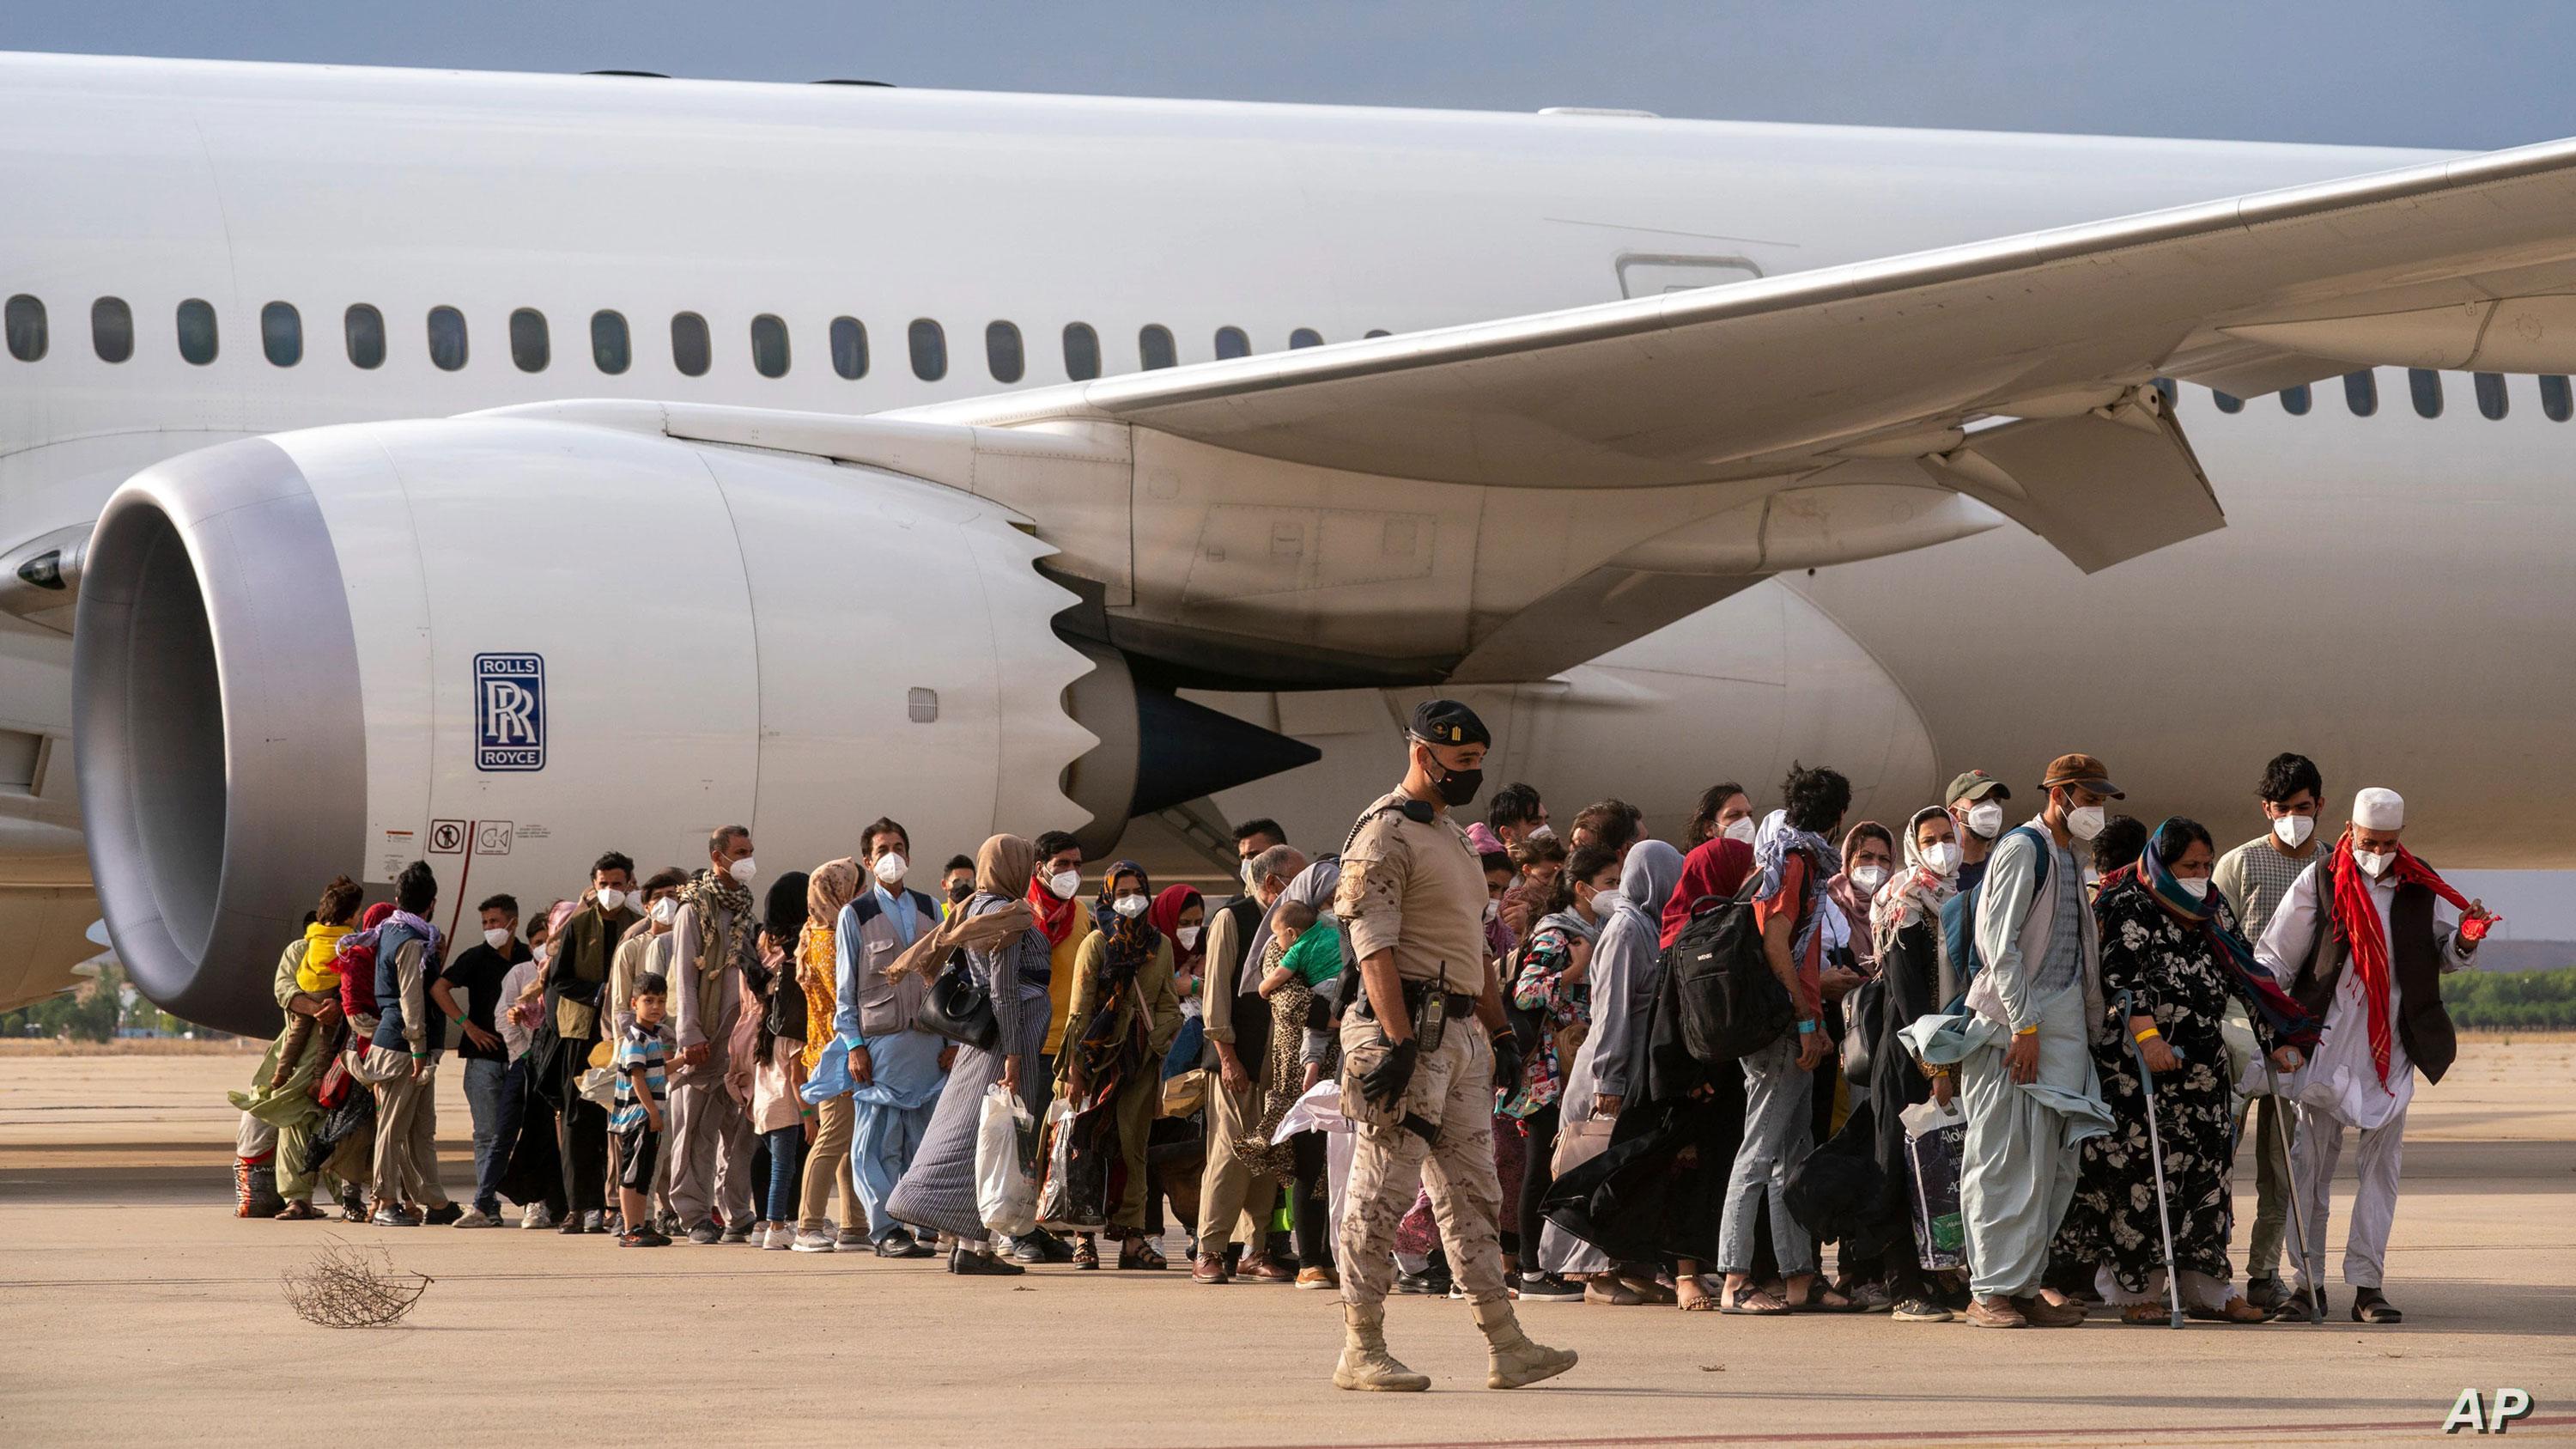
1417 1065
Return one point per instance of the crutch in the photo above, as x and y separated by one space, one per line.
2155 1146
2298 1220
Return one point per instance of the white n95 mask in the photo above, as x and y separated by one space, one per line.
1130 906
496 938
742 871
1941 857
1986 818
2294 830
1064 883
610 898
2194 887
891 867
1743 829
2085 821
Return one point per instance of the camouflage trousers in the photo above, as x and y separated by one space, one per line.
1454 1087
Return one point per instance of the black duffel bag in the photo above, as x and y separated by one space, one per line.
1725 999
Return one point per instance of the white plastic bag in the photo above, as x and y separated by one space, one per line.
1006 1184
1059 1145
1320 1110
1930 1116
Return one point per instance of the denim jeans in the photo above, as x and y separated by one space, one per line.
1778 1136
484 1095
786 1173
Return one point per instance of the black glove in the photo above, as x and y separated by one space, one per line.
1385 1084
1507 1064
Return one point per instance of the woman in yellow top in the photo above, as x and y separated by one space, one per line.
1124 1015
833 885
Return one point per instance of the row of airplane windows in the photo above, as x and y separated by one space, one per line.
281 340
281 336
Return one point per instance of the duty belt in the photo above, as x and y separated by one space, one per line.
1452 1003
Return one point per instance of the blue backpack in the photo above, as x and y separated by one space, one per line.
1959 919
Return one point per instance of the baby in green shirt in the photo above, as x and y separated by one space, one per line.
1309 948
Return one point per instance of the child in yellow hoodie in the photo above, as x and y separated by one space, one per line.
315 1003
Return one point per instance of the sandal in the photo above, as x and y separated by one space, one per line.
1699 1300
299 1211
1086 1253
1136 1253
2234 1310
1753 1302
1610 1293
1647 1289
1821 1299
2146 1315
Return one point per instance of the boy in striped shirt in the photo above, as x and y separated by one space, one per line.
637 1121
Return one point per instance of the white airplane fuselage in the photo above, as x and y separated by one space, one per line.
2385 596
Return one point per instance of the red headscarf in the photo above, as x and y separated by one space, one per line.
1165 916
2356 924
1715 867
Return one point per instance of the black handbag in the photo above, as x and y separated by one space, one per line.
959 1008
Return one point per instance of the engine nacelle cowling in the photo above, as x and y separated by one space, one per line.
507 645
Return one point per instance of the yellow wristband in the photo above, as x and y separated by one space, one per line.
2142 1036
2030 1030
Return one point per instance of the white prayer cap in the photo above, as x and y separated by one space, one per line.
2378 809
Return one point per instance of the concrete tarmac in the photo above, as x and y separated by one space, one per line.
133 1307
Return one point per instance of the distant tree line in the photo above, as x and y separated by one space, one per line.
2531 999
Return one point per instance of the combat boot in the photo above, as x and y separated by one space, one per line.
1365 1362
1516 1362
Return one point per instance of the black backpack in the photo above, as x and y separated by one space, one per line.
1724 997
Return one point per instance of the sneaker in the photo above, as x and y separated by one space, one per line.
1323 1280
594 1222
851 1238
643 1238
706 1233
570 1226
1920 1310
815 1241
1457 1291
443 1215
735 1233
781 1238
535 1217
1419 1284
1549 1288
1870 1298
477 1218
386 1217
2265 1292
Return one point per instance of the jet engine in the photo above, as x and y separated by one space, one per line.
507 645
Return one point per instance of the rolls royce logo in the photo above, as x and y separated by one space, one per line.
509 712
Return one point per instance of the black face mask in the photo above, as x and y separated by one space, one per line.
1460 786
958 893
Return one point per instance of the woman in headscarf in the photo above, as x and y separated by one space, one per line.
1180 915
2172 960
1008 955
1905 937
1123 1018
1552 1004
835 884
1610 1094
1869 858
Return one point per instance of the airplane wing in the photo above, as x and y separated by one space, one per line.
2010 370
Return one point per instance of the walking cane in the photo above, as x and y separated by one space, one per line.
2155 1145
2310 1271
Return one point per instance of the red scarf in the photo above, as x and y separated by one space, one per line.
2356 924
1055 917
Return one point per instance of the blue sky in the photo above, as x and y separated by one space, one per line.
2468 75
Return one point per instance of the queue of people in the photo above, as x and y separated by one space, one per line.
2003 1073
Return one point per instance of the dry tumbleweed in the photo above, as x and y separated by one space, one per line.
348 1287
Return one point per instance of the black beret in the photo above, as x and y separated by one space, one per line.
1447 722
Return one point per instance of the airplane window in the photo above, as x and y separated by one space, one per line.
769 346
1154 344
609 347
2361 392
2426 385
111 329
26 326
849 348
1374 332
281 334
363 327
446 338
2555 399
1305 337
1230 342
197 331
2490 390
691 352
2294 400
2227 402
530 346
929 350
1003 353
1081 351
